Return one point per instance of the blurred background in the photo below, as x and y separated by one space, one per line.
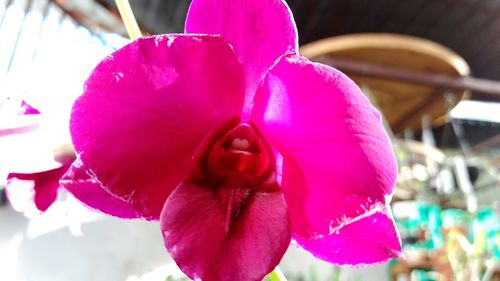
431 66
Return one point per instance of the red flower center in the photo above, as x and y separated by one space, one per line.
236 154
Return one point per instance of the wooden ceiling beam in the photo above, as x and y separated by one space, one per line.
489 87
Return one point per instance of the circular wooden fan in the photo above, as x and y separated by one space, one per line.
403 104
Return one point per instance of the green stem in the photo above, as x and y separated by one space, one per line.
128 18
276 275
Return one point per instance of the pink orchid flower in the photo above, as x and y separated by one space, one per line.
237 144
31 178
43 185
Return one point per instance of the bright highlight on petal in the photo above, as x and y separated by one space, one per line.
83 184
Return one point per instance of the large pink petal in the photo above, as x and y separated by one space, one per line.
259 30
148 106
338 162
225 233
371 239
82 183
